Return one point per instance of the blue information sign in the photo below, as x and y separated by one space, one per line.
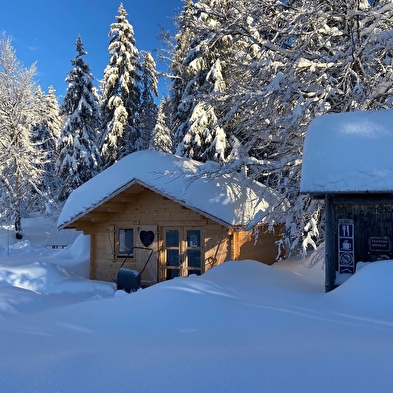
346 251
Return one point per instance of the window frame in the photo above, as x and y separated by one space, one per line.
122 242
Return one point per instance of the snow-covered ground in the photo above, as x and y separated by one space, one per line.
241 327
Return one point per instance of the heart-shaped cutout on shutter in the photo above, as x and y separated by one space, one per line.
146 237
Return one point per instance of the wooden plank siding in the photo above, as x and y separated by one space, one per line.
261 247
371 216
137 208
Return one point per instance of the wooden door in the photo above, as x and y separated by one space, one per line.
182 252
146 239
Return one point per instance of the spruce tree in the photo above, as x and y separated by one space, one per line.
54 120
183 39
79 158
161 138
202 65
148 108
45 134
120 92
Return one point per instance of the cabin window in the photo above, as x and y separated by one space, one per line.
194 252
126 242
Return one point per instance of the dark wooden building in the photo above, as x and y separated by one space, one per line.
348 162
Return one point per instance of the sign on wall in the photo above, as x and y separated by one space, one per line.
346 250
381 244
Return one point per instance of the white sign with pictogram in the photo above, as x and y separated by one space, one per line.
346 251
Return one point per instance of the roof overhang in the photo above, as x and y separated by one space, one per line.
68 224
354 194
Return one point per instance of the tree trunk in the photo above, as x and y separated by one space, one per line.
18 225
18 215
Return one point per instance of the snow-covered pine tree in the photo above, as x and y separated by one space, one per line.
120 92
54 123
54 120
39 133
19 174
148 108
45 134
202 75
183 40
44 143
79 158
161 138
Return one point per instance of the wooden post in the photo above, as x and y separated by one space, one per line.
330 248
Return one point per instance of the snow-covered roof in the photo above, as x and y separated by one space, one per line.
349 153
228 199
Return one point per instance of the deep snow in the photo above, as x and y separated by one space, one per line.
241 327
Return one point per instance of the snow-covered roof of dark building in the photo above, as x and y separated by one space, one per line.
349 153
228 199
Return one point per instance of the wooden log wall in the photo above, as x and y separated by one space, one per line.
137 207
145 208
259 247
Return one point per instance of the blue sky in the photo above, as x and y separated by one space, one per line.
45 31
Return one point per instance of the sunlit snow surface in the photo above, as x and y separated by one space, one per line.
349 152
241 327
230 199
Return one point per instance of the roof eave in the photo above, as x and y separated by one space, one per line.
322 194
141 183
98 204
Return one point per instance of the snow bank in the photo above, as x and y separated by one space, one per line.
241 326
76 257
51 278
35 268
34 278
371 286
250 272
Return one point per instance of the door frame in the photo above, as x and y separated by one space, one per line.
183 248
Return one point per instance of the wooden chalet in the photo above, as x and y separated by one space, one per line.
160 205
347 161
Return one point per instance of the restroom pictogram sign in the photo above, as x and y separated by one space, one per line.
346 253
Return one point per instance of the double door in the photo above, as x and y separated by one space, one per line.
182 252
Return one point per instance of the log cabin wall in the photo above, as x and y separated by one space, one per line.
261 248
137 208
218 245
